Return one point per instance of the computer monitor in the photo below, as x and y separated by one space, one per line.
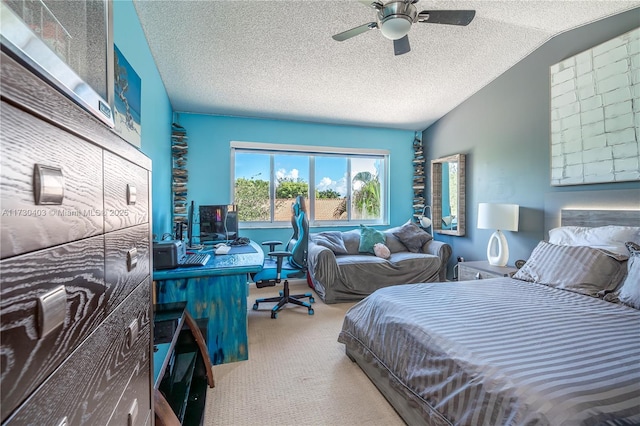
218 223
190 214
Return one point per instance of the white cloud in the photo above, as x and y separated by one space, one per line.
282 174
340 186
325 183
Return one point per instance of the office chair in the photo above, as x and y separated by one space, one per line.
291 263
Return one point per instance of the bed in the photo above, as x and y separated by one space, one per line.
508 351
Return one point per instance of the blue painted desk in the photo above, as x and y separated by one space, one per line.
218 292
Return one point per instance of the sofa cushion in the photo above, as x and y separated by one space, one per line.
331 240
368 238
412 236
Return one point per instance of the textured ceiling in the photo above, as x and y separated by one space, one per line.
276 59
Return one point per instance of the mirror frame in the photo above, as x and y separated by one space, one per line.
436 195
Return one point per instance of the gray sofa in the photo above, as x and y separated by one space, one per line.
353 275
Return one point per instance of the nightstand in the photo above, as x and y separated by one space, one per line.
481 270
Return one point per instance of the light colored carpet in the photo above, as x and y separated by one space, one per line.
297 373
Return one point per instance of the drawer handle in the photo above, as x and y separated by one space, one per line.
64 422
478 276
132 333
52 309
131 194
132 259
48 185
133 413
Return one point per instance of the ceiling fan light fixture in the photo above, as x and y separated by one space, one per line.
395 27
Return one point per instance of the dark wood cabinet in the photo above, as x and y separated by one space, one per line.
75 263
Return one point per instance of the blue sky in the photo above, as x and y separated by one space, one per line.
330 171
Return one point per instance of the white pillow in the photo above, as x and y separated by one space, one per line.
611 238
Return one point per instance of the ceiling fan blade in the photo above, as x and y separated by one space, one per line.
355 31
371 3
401 46
449 17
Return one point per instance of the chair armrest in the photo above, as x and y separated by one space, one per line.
443 251
272 244
280 253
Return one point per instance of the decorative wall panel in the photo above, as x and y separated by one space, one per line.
595 114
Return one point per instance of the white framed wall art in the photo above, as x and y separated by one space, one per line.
595 114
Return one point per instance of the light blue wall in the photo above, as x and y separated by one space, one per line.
209 157
156 112
504 131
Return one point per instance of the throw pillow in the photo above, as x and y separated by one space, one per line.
412 236
630 291
381 251
368 238
331 240
577 268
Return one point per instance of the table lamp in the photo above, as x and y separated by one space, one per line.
499 217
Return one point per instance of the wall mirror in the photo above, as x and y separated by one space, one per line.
447 195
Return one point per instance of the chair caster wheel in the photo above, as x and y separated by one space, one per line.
274 315
312 300
310 311
255 306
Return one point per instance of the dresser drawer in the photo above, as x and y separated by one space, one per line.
134 406
467 274
127 262
481 270
126 193
88 385
56 202
50 301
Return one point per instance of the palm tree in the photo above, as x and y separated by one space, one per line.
366 199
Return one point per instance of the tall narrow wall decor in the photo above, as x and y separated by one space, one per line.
180 174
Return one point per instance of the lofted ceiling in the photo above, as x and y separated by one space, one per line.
277 60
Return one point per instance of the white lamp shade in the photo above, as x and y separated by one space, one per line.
498 216
425 222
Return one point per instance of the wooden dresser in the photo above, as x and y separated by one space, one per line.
75 288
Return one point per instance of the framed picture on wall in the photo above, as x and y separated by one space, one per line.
595 119
127 99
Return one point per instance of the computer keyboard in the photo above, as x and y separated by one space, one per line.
197 259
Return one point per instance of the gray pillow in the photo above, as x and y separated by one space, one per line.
331 240
576 268
630 291
412 236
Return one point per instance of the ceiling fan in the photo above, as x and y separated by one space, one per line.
395 17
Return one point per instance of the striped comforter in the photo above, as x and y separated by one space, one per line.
502 352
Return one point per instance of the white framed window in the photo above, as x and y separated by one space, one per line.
341 186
